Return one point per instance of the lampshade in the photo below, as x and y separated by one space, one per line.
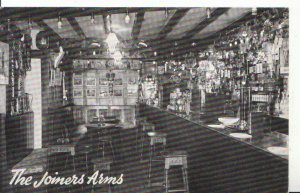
112 42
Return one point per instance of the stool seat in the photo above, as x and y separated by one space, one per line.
156 134
85 151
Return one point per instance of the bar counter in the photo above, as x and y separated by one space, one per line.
218 162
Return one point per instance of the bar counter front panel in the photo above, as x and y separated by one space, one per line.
217 162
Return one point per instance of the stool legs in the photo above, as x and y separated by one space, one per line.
66 163
73 160
166 180
86 161
185 179
103 149
112 149
150 165
142 146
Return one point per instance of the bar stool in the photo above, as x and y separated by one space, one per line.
69 149
87 149
176 158
106 140
102 164
155 138
145 128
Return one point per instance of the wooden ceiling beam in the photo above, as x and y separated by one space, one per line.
174 20
239 22
20 14
76 27
136 29
204 23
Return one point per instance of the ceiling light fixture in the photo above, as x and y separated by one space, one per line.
127 18
208 12
112 42
92 18
59 23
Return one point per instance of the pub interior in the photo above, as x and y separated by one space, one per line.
159 99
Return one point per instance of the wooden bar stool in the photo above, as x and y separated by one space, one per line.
145 128
102 164
85 149
155 138
69 148
176 158
106 140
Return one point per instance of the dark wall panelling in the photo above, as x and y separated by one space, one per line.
17 128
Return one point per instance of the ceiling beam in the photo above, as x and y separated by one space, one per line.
21 14
239 22
204 23
76 27
136 29
174 20
106 30
185 46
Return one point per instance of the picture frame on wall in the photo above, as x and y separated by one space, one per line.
118 92
77 93
91 93
103 81
103 92
90 81
77 81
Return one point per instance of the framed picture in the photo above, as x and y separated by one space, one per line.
77 93
91 93
118 81
77 81
103 81
103 92
90 81
118 92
